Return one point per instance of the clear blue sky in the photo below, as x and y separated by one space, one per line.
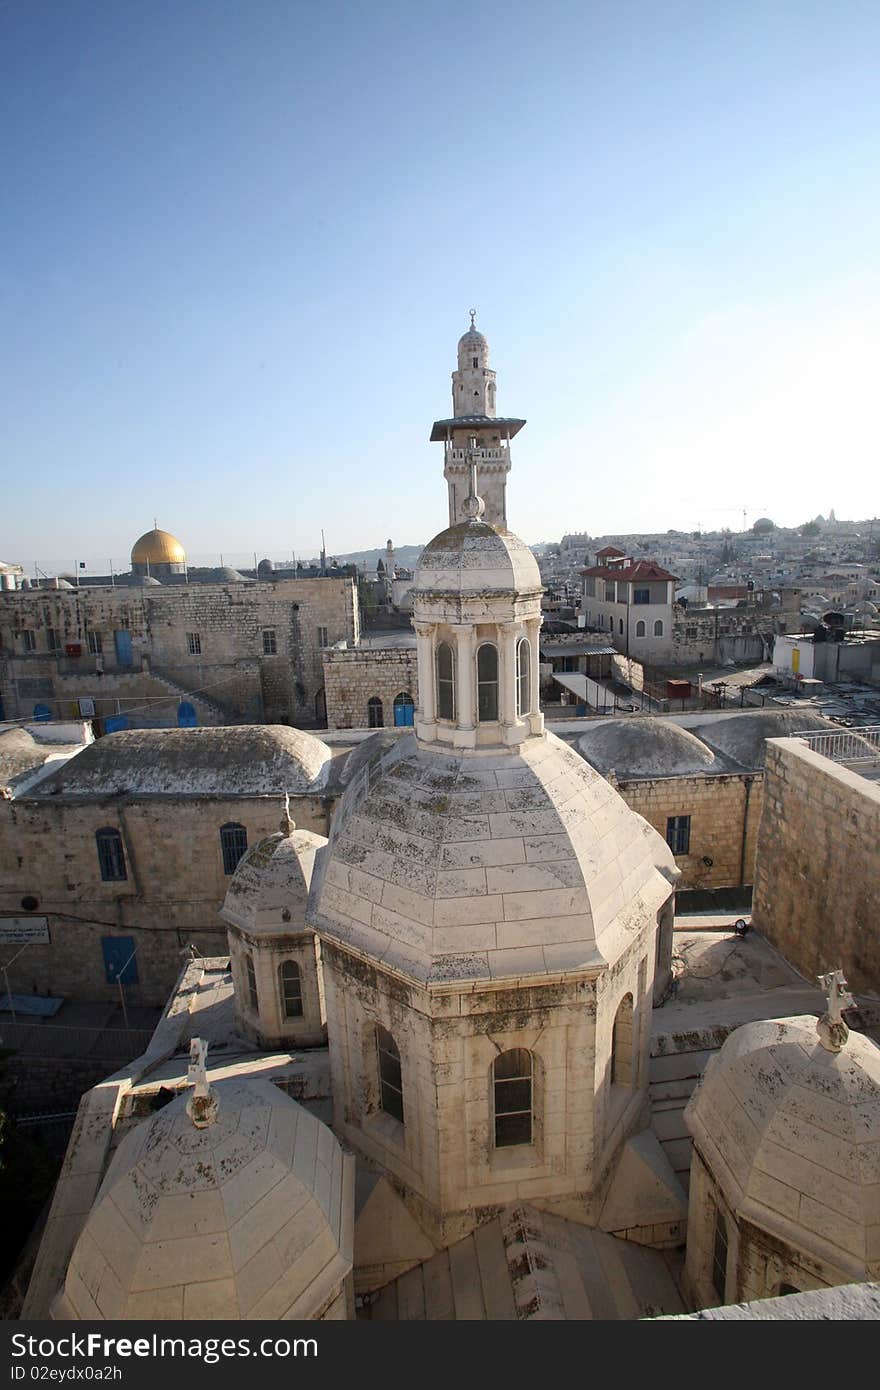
239 240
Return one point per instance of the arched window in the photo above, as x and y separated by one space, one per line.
640 628
233 844
375 717
445 682
251 983
111 855
390 1081
523 677
622 1044
620 626
404 710
291 989
487 682
658 628
512 1086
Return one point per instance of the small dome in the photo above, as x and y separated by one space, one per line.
642 746
743 737
472 557
273 878
157 548
791 1133
215 1222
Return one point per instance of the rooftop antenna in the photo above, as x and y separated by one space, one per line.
323 555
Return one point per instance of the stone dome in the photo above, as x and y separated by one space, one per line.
472 557
271 879
234 759
491 865
640 746
157 548
791 1133
248 1217
743 737
473 341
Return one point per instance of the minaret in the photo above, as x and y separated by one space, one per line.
475 433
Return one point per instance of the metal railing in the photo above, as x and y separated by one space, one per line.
859 745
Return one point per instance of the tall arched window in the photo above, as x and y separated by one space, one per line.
111 855
291 989
375 717
719 1255
523 677
487 682
251 983
233 844
620 626
390 1080
445 681
640 628
622 1044
658 628
512 1086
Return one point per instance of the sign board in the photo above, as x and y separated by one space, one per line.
21 931
87 707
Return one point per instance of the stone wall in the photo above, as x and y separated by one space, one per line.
227 621
171 897
354 675
725 812
817 879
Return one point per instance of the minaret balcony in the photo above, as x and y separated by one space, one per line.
498 454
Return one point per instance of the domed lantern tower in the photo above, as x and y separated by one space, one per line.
491 916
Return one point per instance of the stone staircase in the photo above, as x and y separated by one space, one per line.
208 710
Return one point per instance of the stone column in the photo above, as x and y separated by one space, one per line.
507 675
465 676
536 718
426 717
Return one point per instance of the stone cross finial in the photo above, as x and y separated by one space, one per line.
831 1028
473 505
288 824
202 1105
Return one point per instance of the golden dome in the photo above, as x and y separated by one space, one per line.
158 548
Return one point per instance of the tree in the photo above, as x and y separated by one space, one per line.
809 528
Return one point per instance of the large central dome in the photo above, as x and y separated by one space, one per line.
481 867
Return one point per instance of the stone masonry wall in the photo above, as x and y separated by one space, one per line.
229 621
353 676
817 880
171 897
722 810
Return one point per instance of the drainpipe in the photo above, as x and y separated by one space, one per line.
745 832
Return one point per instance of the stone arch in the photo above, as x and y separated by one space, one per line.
523 677
444 666
640 628
375 714
658 628
404 709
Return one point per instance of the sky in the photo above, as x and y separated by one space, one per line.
239 240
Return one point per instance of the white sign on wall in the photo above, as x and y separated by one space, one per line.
21 931
87 707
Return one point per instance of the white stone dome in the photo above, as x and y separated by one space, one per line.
643 746
272 880
473 557
791 1133
249 1217
472 344
480 866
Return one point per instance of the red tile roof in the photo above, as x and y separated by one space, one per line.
641 569
610 550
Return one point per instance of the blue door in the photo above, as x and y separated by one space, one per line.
42 713
186 716
404 710
120 962
123 647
